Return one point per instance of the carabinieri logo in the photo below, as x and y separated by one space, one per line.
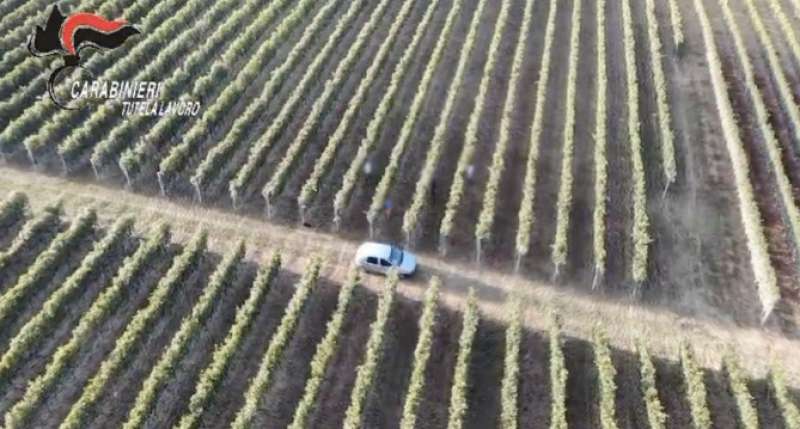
68 36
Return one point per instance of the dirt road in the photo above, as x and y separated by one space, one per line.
662 328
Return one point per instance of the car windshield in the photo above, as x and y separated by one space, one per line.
396 256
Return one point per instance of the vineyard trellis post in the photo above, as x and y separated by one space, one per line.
125 173
268 207
597 278
92 162
301 213
31 156
65 169
234 199
411 238
337 223
198 195
160 177
371 227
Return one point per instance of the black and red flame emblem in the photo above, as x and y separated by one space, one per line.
67 36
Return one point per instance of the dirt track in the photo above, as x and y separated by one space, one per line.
626 320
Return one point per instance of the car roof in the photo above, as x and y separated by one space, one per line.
379 250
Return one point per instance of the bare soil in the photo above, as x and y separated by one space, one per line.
252 192
108 412
433 408
700 289
334 394
415 156
485 375
630 408
33 301
620 188
84 365
174 396
287 388
386 397
244 365
367 183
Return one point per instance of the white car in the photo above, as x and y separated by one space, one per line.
380 258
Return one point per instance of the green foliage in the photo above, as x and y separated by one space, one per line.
366 372
558 377
778 74
19 17
321 105
24 79
564 204
600 146
192 323
46 264
324 354
278 343
422 353
323 163
63 122
737 379
100 309
526 214
385 184
244 77
766 279
411 217
369 141
656 416
606 373
259 150
788 28
696 393
662 100
220 22
18 13
487 215
38 327
510 387
219 154
164 130
641 222
774 149
29 234
136 330
676 18
791 415
13 207
458 392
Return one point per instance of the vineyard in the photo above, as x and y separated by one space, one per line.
488 131
136 329
644 154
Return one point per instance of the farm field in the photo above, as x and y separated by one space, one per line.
148 324
598 172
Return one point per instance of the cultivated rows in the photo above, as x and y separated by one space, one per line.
160 362
305 110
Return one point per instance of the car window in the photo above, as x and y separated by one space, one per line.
372 260
396 256
385 263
